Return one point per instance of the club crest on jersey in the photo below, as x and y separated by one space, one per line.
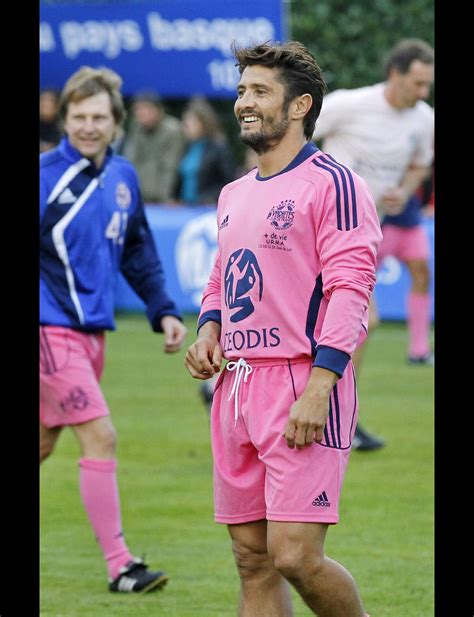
243 282
282 216
123 195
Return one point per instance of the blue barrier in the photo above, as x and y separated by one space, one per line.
186 238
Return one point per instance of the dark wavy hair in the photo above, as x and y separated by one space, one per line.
405 52
298 71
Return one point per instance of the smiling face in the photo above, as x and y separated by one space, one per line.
91 126
260 108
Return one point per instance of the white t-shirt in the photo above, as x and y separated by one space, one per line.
378 141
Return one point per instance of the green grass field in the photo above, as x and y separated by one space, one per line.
385 537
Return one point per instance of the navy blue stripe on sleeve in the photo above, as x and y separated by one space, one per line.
214 315
329 164
313 310
338 191
331 359
353 192
344 189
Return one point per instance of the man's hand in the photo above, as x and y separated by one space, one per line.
204 357
394 200
175 333
309 413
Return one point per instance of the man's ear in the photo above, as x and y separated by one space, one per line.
300 106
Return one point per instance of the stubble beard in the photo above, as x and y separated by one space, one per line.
266 138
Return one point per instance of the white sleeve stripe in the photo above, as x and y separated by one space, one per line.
60 245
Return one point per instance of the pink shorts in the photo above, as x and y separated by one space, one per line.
71 365
404 243
256 475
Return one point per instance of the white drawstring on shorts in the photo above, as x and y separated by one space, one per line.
241 368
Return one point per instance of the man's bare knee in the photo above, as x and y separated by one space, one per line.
295 564
97 438
45 450
251 561
374 322
420 275
48 438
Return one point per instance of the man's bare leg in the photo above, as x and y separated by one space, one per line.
297 551
263 590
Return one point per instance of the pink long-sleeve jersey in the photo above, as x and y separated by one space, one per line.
296 263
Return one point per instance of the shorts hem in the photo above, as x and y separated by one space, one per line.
302 518
236 519
73 422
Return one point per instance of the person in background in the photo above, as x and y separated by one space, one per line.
154 144
385 133
207 164
93 225
286 305
426 193
49 129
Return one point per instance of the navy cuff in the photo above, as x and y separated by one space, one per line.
214 315
332 359
157 317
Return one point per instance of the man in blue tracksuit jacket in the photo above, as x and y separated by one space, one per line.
93 225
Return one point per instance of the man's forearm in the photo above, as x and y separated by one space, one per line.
210 329
320 382
413 178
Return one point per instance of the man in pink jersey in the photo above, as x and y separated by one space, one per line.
286 305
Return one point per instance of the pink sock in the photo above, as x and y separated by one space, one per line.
100 496
419 324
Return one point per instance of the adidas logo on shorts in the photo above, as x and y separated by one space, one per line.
322 501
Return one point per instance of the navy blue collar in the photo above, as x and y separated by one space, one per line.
72 154
306 151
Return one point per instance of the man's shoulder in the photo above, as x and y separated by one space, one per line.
51 158
425 110
351 94
326 172
123 166
239 182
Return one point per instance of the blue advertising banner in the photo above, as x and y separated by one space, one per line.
177 47
186 238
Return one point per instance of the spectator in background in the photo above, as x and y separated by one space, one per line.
154 144
427 195
384 132
49 130
93 225
208 163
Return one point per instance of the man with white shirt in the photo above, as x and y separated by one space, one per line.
384 132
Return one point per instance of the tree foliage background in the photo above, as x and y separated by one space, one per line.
350 38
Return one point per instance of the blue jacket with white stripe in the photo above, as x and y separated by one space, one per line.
93 225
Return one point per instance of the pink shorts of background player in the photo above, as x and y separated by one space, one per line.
71 364
256 475
404 243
